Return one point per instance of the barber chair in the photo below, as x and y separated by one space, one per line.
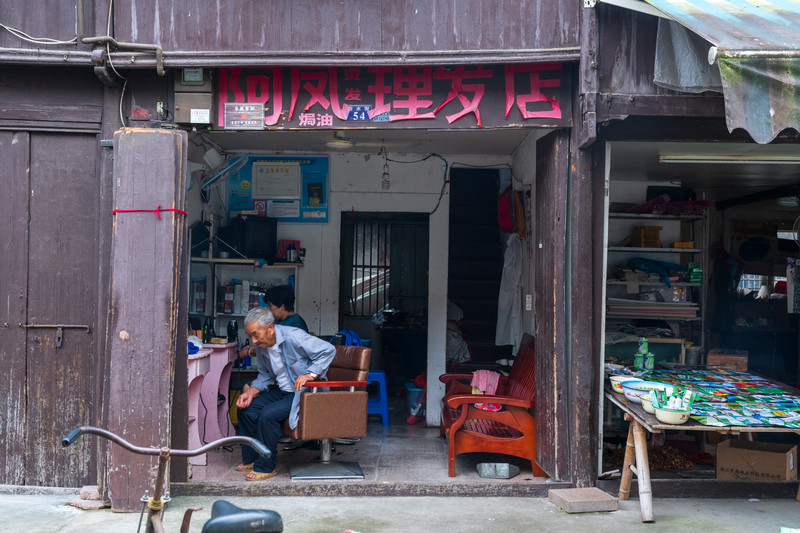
339 412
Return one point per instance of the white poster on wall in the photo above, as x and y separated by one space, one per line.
283 208
276 179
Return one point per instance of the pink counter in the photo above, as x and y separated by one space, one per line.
215 423
199 364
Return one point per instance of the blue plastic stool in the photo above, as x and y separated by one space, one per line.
379 405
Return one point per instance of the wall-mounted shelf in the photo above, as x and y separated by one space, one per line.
673 228
242 261
634 249
219 272
650 216
655 283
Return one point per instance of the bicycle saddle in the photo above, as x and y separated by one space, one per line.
228 518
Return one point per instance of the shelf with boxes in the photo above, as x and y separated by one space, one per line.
238 286
655 266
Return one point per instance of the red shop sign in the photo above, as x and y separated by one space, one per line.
453 97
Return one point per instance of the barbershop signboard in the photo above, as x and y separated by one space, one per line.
448 97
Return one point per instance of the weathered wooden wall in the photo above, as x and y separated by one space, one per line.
54 98
51 214
62 289
351 25
307 25
15 155
552 380
626 45
50 269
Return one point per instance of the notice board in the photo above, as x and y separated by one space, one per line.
289 188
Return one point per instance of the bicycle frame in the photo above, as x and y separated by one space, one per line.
157 502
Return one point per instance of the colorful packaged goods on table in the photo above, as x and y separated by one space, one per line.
728 398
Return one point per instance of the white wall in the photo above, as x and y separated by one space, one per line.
524 178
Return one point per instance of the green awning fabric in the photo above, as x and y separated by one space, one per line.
757 48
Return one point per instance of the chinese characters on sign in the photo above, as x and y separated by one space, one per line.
456 97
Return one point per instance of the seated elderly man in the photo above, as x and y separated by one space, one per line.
290 357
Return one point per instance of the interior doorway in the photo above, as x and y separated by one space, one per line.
476 259
383 272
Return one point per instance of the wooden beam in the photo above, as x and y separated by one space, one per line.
777 192
552 386
144 324
619 106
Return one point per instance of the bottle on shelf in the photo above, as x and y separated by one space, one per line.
207 330
291 253
233 331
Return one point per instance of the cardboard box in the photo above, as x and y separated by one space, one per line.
756 461
728 359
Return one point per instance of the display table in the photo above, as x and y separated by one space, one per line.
214 393
199 364
636 455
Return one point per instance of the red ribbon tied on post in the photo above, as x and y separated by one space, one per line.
156 212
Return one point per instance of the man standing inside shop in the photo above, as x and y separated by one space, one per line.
290 357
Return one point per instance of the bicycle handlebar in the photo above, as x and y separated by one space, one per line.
257 445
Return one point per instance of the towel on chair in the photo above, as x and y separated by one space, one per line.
486 381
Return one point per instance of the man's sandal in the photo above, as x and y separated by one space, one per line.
245 467
260 476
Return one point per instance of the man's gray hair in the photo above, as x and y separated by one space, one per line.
260 315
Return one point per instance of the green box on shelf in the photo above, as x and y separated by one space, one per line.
664 350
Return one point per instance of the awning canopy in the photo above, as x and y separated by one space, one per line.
756 44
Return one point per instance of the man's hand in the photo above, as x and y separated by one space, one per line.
247 351
244 399
302 380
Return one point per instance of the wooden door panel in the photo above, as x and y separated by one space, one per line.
62 289
14 154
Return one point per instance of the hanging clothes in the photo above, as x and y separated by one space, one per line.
509 302
456 349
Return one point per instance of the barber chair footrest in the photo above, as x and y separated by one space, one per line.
332 470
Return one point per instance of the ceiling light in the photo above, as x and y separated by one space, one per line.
339 142
728 160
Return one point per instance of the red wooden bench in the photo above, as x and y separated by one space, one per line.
510 431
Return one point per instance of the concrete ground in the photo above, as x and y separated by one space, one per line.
45 513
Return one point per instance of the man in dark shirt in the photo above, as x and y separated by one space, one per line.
280 300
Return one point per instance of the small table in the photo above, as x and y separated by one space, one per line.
636 456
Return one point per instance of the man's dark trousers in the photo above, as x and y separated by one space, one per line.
262 420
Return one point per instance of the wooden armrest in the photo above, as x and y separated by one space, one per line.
447 378
461 399
318 384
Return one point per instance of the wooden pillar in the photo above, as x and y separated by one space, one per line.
146 279
550 245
